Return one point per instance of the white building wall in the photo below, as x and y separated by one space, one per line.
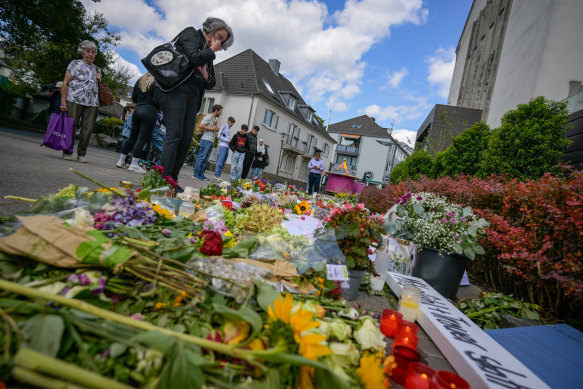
372 157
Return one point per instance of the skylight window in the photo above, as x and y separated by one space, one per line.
268 87
357 126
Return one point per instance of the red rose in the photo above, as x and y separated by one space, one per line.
213 243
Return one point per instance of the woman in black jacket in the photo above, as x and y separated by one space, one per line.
180 105
146 95
260 161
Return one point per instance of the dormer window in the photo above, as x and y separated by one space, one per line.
357 126
307 112
289 100
268 86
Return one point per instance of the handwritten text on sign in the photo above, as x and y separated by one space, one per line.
474 355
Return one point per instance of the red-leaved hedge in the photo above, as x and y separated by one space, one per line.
534 246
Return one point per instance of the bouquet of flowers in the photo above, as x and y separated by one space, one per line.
431 221
155 178
356 231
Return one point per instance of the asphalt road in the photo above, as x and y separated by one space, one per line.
30 171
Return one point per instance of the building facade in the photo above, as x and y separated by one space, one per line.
511 51
254 92
367 147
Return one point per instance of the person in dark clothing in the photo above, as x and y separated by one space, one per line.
146 95
239 145
250 155
181 104
55 99
261 158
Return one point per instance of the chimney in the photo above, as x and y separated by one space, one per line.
574 88
373 119
274 64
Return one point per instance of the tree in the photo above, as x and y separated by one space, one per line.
41 37
530 142
465 154
417 164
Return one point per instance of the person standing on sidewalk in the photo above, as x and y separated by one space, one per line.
146 95
239 145
250 156
79 96
224 138
316 166
209 125
261 161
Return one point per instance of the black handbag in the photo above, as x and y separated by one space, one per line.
169 67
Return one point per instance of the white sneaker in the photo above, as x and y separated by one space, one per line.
136 169
67 157
120 164
82 159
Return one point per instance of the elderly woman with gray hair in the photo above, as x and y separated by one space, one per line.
79 95
181 104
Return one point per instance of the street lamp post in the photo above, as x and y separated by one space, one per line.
283 136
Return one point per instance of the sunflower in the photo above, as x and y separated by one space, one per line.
371 372
302 207
163 211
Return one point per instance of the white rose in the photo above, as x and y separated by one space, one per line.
369 336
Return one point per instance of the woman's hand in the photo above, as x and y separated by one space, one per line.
203 72
63 107
216 44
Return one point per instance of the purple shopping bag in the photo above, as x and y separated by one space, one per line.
59 135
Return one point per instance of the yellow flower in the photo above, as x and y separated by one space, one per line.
281 308
371 372
256 344
161 305
163 211
230 243
306 373
311 346
236 332
302 207
100 189
302 321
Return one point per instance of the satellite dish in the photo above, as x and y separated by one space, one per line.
367 176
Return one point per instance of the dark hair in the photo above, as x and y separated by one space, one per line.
231 119
217 107
244 127
256 128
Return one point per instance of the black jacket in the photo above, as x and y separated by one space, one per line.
192 44
260 159
239 143
252 142
150 97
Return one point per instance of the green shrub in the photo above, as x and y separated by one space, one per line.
417 164
530 142
105 126
465 154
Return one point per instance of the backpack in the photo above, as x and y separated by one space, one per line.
198 130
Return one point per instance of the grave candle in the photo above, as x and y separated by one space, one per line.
407 328
405 355
409 302
390 322
447 380
410 341
419 376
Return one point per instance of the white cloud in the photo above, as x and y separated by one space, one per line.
404 135
320 52
441 66
399 113
120 63
396 77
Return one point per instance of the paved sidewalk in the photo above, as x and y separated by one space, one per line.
28 170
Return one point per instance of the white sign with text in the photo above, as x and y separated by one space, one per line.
475 356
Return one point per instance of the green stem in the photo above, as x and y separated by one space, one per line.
31 360
115 192
487 310
41 381
25 199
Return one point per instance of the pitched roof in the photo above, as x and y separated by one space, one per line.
362 125
114 110
247 73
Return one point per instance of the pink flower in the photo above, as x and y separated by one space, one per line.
159 169
419 198
166 232
137 316
171 181
463 219
444 220
452 220
360 206
347 206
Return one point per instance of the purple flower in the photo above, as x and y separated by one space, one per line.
65 290
166 232
454 234
452 220
463 219
100 288
444 220
74 278
137 316
84 280
419 198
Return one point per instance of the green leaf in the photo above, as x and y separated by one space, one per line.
466 211
116 255
479 250
469 252
266 294
532 315
244 313
271 381
156 339
183 371
89 251
144 194
242 248
98 235
419 210
44 333
117 349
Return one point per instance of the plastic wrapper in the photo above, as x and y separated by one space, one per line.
215 213
401 254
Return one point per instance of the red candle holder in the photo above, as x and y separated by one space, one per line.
390 322
419 376
447 380
399 375
410 341
407 328
405 355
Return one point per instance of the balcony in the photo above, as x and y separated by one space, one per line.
295 146
347 150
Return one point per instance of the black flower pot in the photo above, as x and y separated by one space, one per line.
354 278
442 271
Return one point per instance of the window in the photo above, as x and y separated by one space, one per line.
350 161
289 100
270 119
268 86
311 139
288 161
293 135
207 105
357 126
307 113
326 149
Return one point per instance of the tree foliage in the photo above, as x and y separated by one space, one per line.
465 154
530 142
41 38
417 164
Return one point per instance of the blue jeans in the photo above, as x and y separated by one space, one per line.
206 147
237 165
221 159
314 182
257 172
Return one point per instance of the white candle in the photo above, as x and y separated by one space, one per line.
409 303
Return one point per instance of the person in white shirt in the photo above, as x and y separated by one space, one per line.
209 125
224 139
316 166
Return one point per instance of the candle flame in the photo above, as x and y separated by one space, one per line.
452 386
424 376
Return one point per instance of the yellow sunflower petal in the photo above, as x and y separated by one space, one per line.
306 378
